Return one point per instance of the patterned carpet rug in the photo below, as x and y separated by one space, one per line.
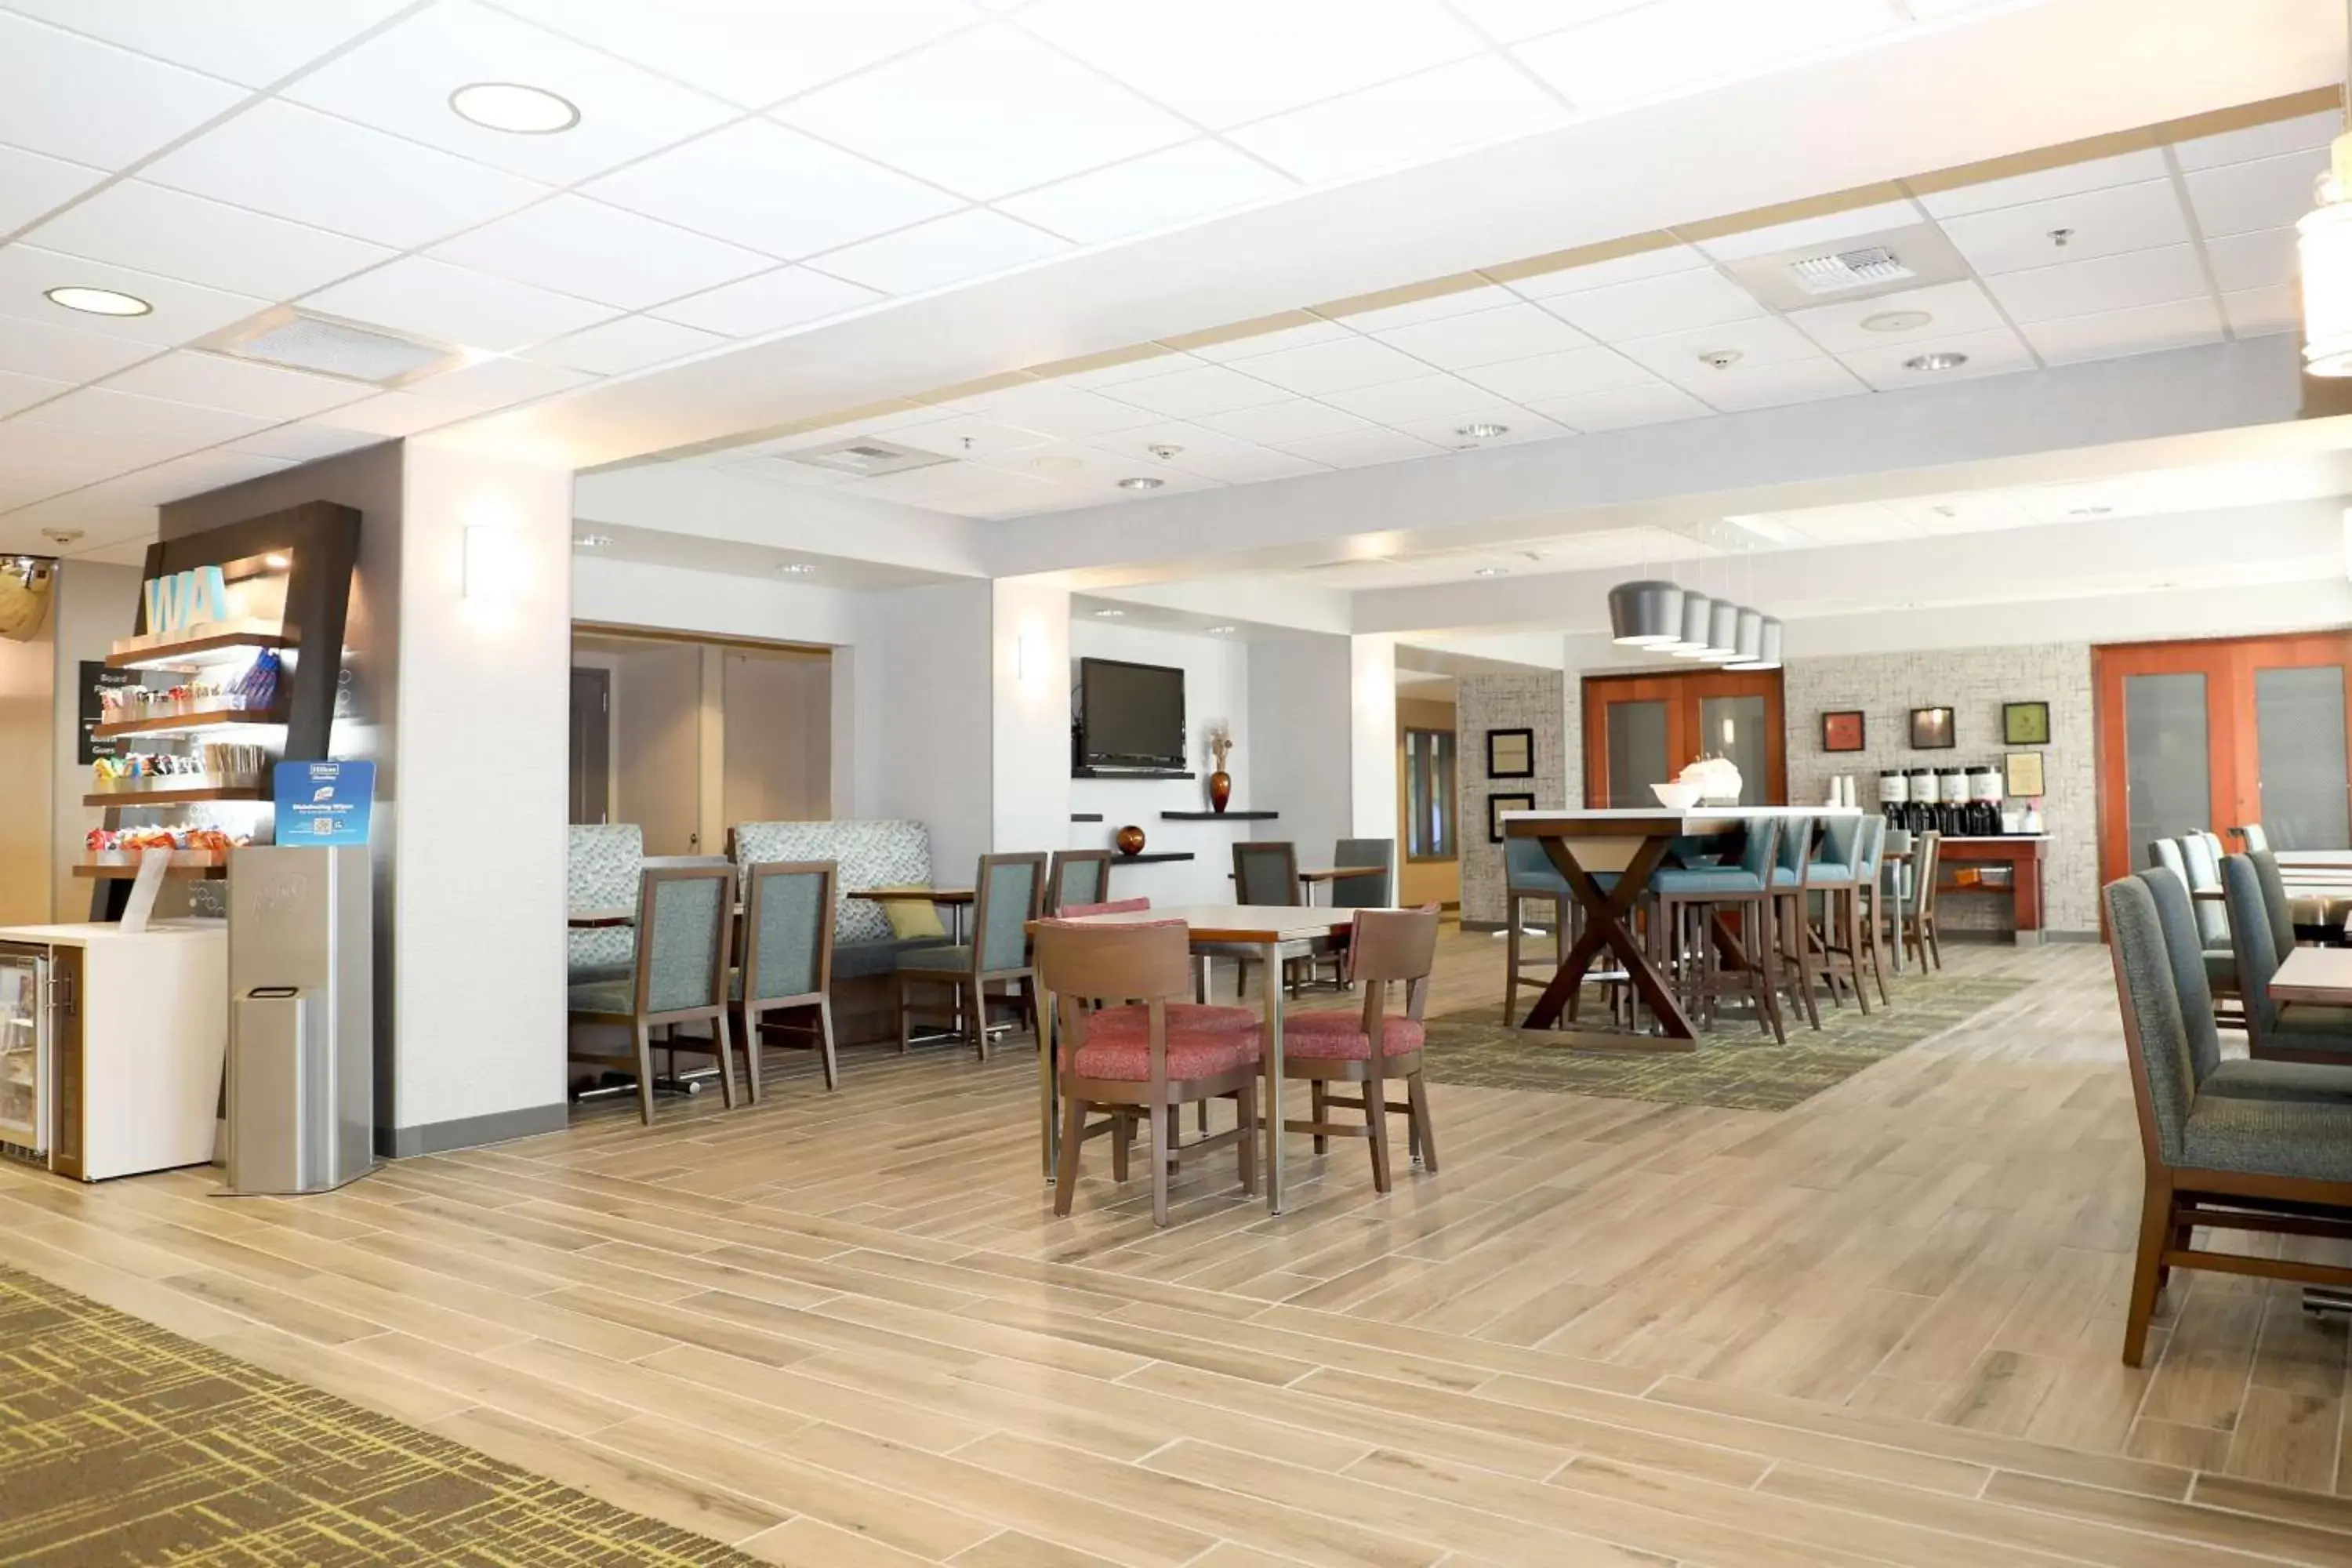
1738 1066
125 1445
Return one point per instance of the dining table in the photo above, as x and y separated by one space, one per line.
2321 976
1606 854
1280 931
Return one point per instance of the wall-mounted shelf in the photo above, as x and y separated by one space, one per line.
1152 857
1086 817
190 723
1219 816
1132 773
125 873
230 647
198 794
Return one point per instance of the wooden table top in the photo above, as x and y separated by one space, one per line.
1240 922
589 919
912 895
1647 821
2315 974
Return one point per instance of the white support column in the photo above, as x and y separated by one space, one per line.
1029 663
1372 740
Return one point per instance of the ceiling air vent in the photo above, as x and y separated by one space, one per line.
320 345
865 455
1864 268
1852 268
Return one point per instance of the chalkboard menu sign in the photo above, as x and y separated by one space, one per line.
96 680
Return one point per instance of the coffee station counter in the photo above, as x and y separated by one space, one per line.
2004 865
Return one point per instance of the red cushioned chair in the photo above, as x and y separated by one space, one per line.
1142 1060
1399 945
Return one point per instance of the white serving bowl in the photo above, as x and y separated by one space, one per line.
1676 796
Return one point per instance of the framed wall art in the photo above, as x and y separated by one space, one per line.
1498 804
1843 731
2025 723
1931 729
2022 775
1510 753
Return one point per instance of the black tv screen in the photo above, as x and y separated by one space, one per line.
1130 715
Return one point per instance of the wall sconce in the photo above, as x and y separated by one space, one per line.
492 568
1028 658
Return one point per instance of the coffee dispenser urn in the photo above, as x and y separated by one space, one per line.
302 1048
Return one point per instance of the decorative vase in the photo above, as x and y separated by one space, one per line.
1129 840
1220 791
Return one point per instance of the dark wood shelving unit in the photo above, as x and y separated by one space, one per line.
1132 773
1086 817
188 723
197 797
1219 816
194 652
1153 857
126 873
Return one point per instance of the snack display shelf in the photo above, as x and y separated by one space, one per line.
221 645
211 872
190 723
194 794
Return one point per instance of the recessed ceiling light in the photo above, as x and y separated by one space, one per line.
1222 631
277 562
798 569
1484 431
1111 615
98 301
1141 482
1896 321
511 107
1941 361
1494 572
1721 359
1058 464
591 541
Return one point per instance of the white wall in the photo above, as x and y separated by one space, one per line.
1029 660
96 605
28 696
925 687
1302 727
1216 686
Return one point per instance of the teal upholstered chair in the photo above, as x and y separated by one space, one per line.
2255 836
686 916
1077 877
2201 866
1355 893
1870 899
2303 1032
787 959
1835 877
2215 1159
1530 878
600 865
1691 899
1265 873
1792 866
2206 916
1009 896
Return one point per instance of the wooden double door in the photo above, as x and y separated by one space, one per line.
2218 733
1641 730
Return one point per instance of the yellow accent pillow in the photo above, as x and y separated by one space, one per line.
908 920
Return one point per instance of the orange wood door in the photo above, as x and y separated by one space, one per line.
1681 697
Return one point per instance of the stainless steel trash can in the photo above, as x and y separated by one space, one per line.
301 1052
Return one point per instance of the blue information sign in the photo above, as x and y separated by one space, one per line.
324 803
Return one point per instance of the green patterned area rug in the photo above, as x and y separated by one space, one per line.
124 1446
1737 1066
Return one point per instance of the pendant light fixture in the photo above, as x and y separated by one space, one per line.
1699 621
1645 613
1723 632
1751 638
2323 238
1768 647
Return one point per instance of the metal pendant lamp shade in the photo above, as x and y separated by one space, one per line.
1647 614
1751 637
1767 650
1698 623
1722 633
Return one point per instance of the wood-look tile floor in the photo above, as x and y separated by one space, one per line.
846 1330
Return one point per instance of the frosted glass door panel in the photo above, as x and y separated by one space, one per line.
2299 728
1733 727
2169 775
1637 751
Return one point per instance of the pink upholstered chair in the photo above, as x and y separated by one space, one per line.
1324 1049
1140 1060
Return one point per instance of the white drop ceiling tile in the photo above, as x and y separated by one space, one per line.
59 353
1490 337
1361 449
1745 387
767 302
1468 103
1423 397
395 414
1281 423
1243 464
1764 340
1182 446
181 311
134 224
74 98
1156 190
2046 184
2259 313
32 183
2102 222
1157 361
1225 62
1509 21
1952 309
1436 308
598 252
400 80
303 442
293 163
962 435
2303 134
1674 302
1055 408
752 52
633 342
1639 266
1996 353
1984 512
2083 503
254 42
986 113
2103 283
500 383
841 430
1821 231
216 381
1191 393
21 392
1062 462
1337 367
765 186
1865 522
1518 425
1674 46
146 423
1623 408
2114 333
966 489
953 249
2258 258
1563 374
2269 193
1235 350
455 305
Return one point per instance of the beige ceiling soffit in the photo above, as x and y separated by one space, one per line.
1211 337
1582 255
2269 111
589 634
769 433
1789 212
1405 294
986 383
1108 359
2213 122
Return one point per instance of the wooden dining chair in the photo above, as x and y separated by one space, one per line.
1077 877
1143 1059
1010 894
1385 947
2303 1032
1920 933
685 925
787 959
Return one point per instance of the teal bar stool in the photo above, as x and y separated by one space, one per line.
1691 900
1835 876
1792 872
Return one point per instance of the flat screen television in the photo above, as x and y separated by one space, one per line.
1130 715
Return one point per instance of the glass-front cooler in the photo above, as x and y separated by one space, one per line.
23 1049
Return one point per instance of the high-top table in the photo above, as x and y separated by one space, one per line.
1630 841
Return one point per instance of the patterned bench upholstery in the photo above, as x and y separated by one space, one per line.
870 854
601 872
